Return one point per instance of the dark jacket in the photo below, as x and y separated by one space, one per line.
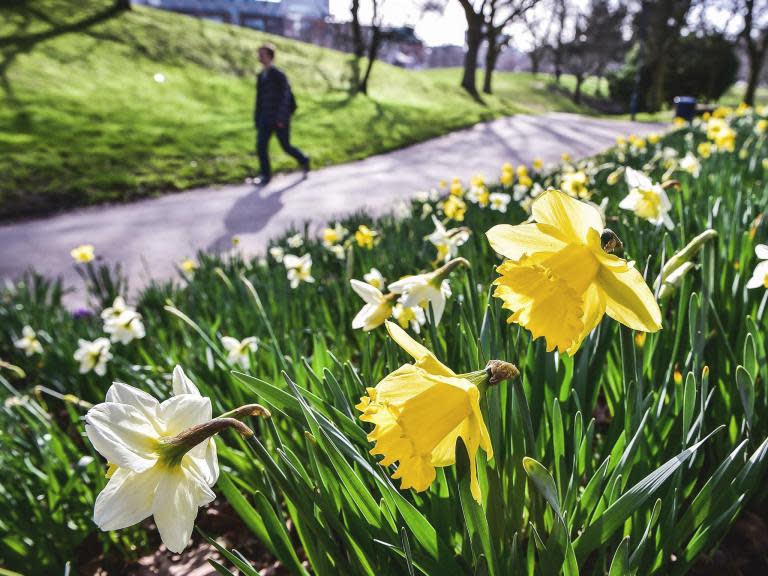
274 98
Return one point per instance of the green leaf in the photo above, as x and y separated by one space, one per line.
746 387
614 516
620 562
544 482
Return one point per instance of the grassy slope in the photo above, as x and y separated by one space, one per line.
82 120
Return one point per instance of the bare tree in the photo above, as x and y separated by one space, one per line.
500 14
474 12
560 15
539 33
755 36
359 49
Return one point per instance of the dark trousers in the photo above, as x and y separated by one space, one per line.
263 136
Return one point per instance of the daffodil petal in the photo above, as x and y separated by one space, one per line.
120 393
514 242
184 411
629 300
571 217
179 494
424 358
594 308
123 435
182 384
127 498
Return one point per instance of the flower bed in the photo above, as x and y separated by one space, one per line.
623 430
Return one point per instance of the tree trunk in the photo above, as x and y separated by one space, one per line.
535 61
474 38
358 49
373 52
491 57
752 79
577 90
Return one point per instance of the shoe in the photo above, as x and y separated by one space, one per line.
306 165
261 180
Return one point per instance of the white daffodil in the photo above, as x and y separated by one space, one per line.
689 163
338 251
118 307
426 210
413 317
277 253
238 351
93 355
760 275
646 199
295 241
446 241
155 470
29 342
427 289
377 309
375 278
499 201
299 269
478 194
125 327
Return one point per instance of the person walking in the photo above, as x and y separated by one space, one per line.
275 105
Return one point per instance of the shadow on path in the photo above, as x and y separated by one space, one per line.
252 212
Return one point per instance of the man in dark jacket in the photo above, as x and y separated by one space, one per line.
274 106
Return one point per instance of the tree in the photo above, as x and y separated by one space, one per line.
539 34
475 23
359 45
560 15
500 14
597 42
755 36
661 22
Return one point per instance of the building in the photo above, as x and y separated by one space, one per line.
291 18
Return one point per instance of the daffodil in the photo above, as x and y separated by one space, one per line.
561 274
689 163
122 322
499 201
83 254
365 237
299 269
29 342
430 289
456 188
420 411
478 195
704 149
93 355
162 458
761 126
295 241
646 199
277 253
189 266
334 235
412 317
537 164
377 309
576 184
239 351
375 278
447 241
507 175
455 208
760 275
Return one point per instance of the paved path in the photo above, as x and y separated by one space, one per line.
148 237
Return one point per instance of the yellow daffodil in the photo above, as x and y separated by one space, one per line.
189 266
679 122
478 195
83 254
561 275
537 164
704 149
332 236
365 237
421 410
455 208
456 188
507 177
620 141
761 127
654 138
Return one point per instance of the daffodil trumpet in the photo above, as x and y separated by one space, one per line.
420 411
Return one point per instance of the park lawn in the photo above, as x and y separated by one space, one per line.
83 121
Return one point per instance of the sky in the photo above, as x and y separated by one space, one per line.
433 29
